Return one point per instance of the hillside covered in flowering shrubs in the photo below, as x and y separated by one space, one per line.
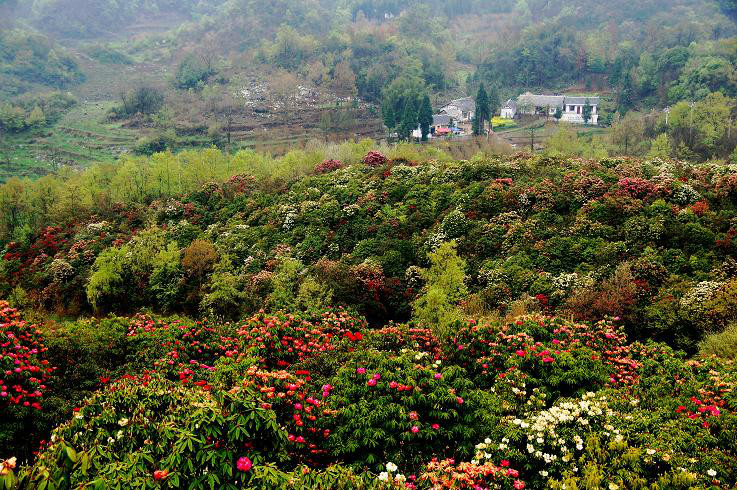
652 241
323 400
384 321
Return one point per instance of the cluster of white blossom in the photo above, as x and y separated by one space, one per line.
506 218
685 194
404 172
435 240
699 294
555 433
391 474
350 210
570 281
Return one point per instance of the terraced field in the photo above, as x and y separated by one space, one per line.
81 137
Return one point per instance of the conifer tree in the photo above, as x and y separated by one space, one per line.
409 119
425 117
586 113
483 111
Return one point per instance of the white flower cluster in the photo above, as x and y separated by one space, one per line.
545 427
350 210
525 202
699 294
96 228
389 474
572 281
685 194
482 449
404 172
435 240
506 218
309 206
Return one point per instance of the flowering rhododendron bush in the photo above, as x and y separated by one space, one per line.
323 400
24 374
651 241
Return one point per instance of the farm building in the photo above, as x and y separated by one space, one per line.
571 107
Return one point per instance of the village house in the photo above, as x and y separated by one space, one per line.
571 107
510 109
442 125
460 110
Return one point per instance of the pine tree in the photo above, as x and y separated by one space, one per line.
495 102
425 117
558 113
483 111
389 117
586 113
409 119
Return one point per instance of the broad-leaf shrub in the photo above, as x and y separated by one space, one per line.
404 407
526 404
145 428
24 377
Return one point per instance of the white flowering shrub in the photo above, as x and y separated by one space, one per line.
685 194
547 441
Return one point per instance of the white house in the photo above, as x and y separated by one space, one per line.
460 110
510 109
572 107
441 126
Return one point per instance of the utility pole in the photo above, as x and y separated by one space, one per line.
532 139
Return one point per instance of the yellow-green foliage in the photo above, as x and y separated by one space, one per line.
73 195
723 344
445 287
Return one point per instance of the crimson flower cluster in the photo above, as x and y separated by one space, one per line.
25 371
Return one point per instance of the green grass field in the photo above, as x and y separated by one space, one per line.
81 137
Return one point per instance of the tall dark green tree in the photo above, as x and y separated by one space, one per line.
425 116
495 101
558 113
390 119
409 119
586 113
483 111
626 94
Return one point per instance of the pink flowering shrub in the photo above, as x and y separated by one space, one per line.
25 369
328 166
375 159
25 373
404 407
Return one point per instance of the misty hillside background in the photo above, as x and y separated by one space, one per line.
84 81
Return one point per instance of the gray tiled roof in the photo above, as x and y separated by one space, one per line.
529 99
511 104
582 100
554 100
466 104
440 120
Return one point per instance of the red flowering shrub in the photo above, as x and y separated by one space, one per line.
637 188
239 185
280 340
23 381
403 407
328 166
557 356
375 159
25 370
